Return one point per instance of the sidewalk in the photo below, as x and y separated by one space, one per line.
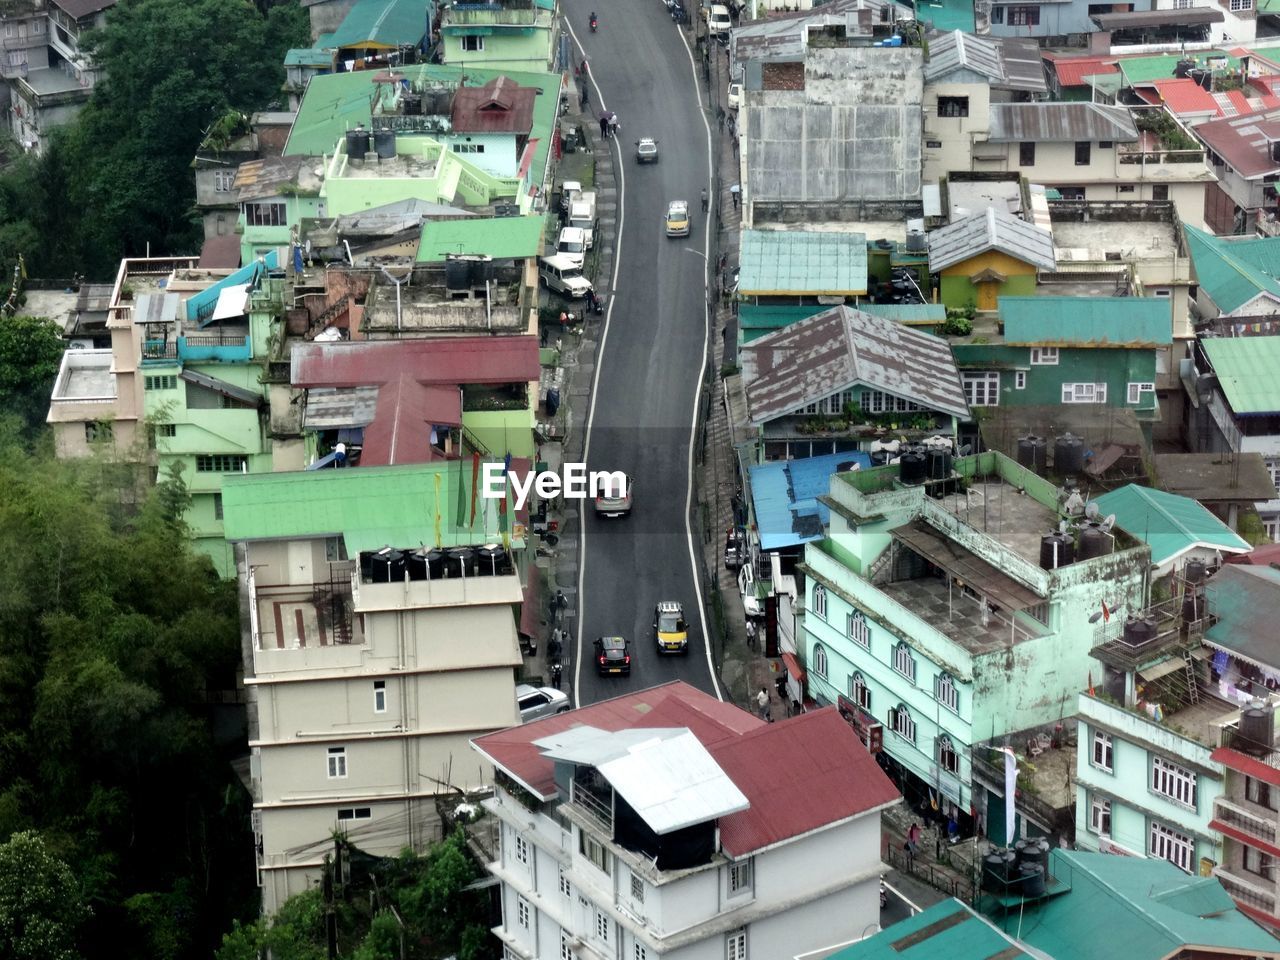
946 867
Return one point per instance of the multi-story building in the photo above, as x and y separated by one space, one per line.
1243 153
981 257
666 823
512 35
370 660
932 621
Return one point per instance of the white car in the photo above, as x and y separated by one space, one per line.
572 244
734 98
646 150
719 22
536 703
614 500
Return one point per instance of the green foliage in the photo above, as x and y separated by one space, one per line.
111 628
30 351
40 902
957 325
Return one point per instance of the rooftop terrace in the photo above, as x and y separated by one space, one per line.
85 375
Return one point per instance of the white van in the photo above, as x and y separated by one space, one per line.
563 275
582 214
719 22
572 244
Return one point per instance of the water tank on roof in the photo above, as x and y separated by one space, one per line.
997 870
1068 455
1182 68
357 143
1193 606
915 241
1032 850
460 562
1031 880
1257 728
1095 541
1139 631
1033 453
411 105
384 144
937 463
912 467
492 560
1056 550
457 274
1195 571
387 566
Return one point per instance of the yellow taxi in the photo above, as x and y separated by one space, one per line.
670 629
677 218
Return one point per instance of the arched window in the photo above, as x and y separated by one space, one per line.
859 692
820 660
948 759
946 692
900 722
904 662
820 600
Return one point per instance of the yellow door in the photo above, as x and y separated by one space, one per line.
987 295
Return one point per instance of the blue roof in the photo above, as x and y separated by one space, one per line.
1087 321
785 494
785 262
1169 523
946 931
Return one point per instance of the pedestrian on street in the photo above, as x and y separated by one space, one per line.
912 844
586 96
614 125
736 193
604 125
762 701
720 118
751 633
704 200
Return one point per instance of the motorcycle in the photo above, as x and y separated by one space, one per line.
594 24
884 896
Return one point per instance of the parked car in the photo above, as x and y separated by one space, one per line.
572 244
669 628
735 548
564 276
613 656
734 96
678 218
614 500
538 702
646 150
719 22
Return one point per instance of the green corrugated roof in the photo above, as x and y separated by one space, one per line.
1245 599
907 312
369 507
502 238
309 57
1130 908
1228 277
946 931
1246 369
336 102
1096 321
1161 65
947 15
773 316
802 262
1170 524
383 23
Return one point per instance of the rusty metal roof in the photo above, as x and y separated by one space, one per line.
841 348
990 230
257 179
1156 18
1061 122
500 106
986 579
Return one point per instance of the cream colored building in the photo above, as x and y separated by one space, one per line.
366 679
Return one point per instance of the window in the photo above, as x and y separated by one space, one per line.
265 215
1260 792
1100 816
379 696
1083 150
1160 191
37 26
1253 861
997 14
858 630
217 506
565 886
1271 526
602 926
1172 781
735 945
1020 380
1182 4
468 148
223 180
221 463
1084 393
1026 151
593 850
1101 751
522 912
1125 188
930 144
944 690
337 763
739 877
166 430
166 381
1161 292
637 889
948 759
1136 390
953 106
820 660
522 850
902 724
354 813
860 692
473 44
981 389
97 430
640 953
1024 16
566 946
1105 144
1039 613
1044 356
820 601
1273 467
1237 5
903 662
1170 845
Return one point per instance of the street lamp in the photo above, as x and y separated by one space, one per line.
405 279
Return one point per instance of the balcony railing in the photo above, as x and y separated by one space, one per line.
1245 892
1156 157
1245 821
159 350
597 808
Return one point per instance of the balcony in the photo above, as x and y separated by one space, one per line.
225 348
1247 893
1246 821
308 625
159 351
594 797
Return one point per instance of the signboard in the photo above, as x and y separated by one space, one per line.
1107 845
869 730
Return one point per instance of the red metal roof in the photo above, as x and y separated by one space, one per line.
500 106
798 775
1243 763
1243 141
220 253
1261 556
1181 95
362 363
402 422
1071 71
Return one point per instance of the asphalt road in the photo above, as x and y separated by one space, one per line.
651 359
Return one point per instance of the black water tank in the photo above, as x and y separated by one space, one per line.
1195 571
1032 453
995 870
1094 541
879 458
387 566
366 567
1056 550
384 144
1033 850
937 463
457 274
1139 631
1257 728
1031 880
1068 455
492 561
845 466
416 563
1193 605
411 105
912 467
357 143
460 562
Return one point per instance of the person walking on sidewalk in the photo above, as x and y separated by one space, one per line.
762 701
586 96
912 844
735 192
751 634
705 204
614 125
604 125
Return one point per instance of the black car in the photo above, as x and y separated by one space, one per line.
613 656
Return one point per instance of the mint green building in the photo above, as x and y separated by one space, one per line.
929 621
508 36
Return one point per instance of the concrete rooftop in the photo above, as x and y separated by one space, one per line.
1140 240
954 613
50 81
1012 519
974 196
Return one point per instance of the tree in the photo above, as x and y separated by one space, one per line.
40 904
30 352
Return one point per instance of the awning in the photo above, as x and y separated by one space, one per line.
1157 18
221 386
233 302
1162 669
981 576
529 608
793 667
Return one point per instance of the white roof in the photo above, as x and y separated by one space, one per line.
233 301
593 746
673 783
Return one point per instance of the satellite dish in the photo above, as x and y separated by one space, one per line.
1091 510
966 450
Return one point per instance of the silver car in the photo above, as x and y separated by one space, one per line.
614 500
537 703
